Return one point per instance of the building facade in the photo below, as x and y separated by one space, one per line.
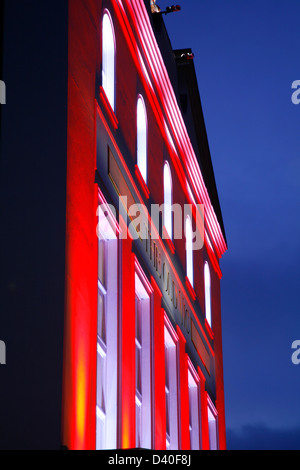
111 234
143 348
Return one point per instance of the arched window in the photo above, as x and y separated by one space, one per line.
141 120
108 59
189 250
168 200
207 285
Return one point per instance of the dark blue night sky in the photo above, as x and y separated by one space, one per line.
246 59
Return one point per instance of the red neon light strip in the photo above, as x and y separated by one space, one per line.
108 108
142 182
208 328
127 353
128 34
165 91
190 288
167 238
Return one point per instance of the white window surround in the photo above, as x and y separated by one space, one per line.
144 304
171 365
189 250
207 286
107 333
194 406
142 137
168 200
212 425
108 58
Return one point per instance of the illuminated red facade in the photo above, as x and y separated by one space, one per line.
143 345
110 313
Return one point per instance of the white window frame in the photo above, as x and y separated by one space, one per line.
168 200
107 342
189 250
142 137
207 288
143 338
194 407
212 416
171 388
108 58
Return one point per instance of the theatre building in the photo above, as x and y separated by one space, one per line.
140 323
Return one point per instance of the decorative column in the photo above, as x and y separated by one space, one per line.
159 401
184 394
204 414
127 349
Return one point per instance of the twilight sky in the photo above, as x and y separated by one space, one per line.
246 59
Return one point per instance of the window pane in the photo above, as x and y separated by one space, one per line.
142 138
101 381
100 430
189 251
108 60
168 416
212 426
138 320
194 412
101 262
168 200
207 293
171 392
138 422
101 317
107 331
138 369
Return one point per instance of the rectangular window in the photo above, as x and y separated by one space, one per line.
107 334
212 425
171 340
194 407
143 295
